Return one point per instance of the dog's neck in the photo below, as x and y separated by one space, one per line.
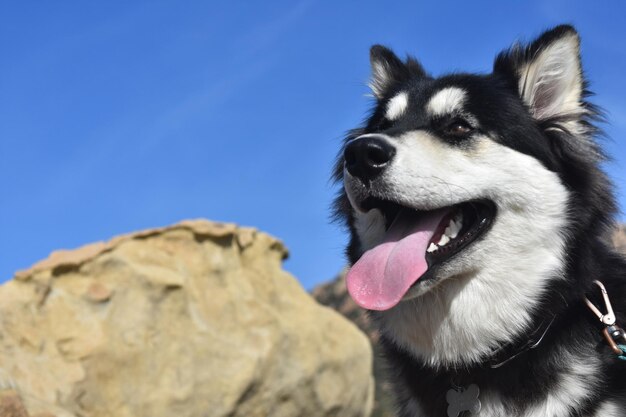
511 351
529 359
464 322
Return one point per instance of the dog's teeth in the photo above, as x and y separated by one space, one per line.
458 221
454 229
449 233
432 247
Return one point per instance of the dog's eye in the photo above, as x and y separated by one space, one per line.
457 128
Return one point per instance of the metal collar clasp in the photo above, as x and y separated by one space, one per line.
609 317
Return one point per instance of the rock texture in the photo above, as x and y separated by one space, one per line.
11 405
197 319
335 295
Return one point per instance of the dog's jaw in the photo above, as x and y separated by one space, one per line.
483 296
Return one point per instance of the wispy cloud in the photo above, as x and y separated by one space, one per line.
263 36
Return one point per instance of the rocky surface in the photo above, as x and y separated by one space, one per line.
11 404
335 295
196 319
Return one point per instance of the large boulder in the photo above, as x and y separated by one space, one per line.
196 319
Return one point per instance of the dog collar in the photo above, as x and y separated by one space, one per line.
532 343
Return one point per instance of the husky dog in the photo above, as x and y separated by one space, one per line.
480 220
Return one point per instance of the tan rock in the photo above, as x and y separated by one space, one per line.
334 294
196 319
11 405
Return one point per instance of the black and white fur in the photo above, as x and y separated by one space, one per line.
532 152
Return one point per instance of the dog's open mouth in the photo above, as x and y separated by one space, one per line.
414 242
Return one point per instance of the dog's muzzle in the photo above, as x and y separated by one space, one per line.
367 156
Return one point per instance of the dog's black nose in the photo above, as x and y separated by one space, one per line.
366 157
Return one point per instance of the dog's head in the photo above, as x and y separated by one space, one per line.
461 191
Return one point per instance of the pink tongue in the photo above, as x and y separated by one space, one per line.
382 276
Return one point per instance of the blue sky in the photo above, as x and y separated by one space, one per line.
119 116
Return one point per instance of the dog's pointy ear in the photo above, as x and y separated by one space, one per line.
388 70
547 73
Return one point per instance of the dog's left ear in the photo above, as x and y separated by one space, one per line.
547 73
388 70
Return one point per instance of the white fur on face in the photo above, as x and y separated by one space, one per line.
446 101
397 106
487 291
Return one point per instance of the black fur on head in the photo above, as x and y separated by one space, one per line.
535 100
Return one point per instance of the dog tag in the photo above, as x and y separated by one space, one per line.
463 399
